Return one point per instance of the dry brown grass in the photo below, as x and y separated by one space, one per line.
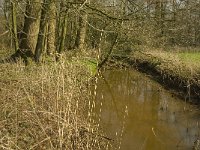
46 107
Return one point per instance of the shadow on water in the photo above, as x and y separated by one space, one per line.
155 120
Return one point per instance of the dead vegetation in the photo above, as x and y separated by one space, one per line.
46 107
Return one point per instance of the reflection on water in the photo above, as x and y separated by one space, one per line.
155 120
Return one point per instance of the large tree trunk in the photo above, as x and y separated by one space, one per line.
30 31
41 37
81 32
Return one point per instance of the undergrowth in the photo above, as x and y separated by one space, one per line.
45 106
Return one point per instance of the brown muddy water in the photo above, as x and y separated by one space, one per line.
139 114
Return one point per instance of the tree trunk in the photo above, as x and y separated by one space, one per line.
30 31
81 32
14 24
62 28
41 37
51 29
63 35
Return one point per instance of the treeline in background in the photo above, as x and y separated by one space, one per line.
35 28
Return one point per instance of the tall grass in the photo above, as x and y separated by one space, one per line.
46 107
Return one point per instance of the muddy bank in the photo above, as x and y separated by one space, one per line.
171 73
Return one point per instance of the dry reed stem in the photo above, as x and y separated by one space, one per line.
45 107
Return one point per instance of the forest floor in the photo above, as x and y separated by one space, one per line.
49 105
174 69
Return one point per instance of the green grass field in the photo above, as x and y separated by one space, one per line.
190 56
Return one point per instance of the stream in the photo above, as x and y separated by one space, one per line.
139 114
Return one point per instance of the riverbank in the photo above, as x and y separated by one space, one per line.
175 70
46 106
